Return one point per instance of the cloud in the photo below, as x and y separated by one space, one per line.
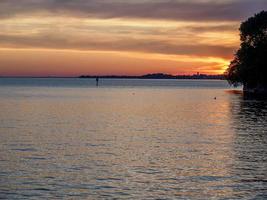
190 10
51 41
203 29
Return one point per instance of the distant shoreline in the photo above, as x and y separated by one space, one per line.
146 76
159 76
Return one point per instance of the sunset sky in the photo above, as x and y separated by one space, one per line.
122 37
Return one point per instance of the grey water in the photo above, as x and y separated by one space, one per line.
130 139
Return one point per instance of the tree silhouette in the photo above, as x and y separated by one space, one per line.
249 66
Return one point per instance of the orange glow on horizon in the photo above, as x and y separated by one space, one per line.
52 62
43 45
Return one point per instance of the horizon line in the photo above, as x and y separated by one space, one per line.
112 75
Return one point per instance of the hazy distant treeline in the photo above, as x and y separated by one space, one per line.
160 76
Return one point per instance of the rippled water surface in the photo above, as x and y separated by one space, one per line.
130 139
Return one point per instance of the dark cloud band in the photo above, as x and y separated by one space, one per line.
191 10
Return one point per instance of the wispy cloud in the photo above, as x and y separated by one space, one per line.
135 45
199 39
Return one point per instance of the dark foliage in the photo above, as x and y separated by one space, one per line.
249 66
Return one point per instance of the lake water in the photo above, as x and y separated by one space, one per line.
130 139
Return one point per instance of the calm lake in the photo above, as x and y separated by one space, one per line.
130 139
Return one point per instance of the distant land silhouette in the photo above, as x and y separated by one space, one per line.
146 76
159 76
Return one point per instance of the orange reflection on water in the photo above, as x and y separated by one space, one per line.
142 141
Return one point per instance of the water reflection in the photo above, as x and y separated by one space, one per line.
103 143
249 119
